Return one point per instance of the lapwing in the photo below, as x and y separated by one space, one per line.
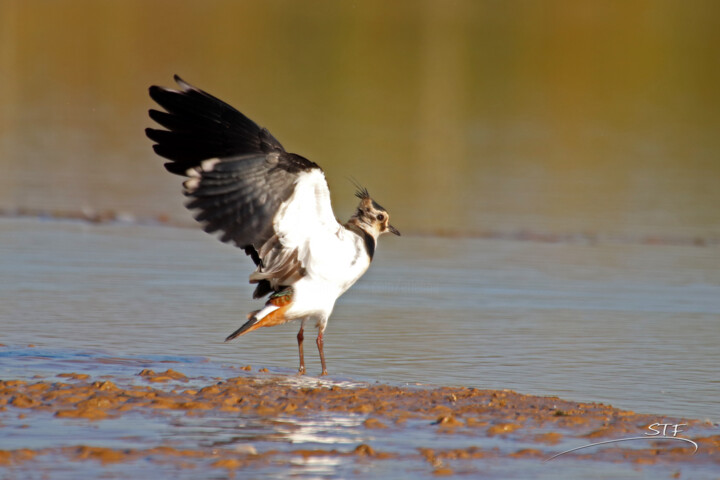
273 204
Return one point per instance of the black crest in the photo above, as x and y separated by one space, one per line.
361 192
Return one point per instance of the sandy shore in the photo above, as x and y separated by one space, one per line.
534 427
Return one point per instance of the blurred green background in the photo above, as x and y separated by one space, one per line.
462 117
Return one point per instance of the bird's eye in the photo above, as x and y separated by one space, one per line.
380 217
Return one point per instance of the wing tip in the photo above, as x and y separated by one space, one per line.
183 84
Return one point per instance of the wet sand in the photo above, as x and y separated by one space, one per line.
500 426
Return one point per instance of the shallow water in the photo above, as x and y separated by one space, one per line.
632 325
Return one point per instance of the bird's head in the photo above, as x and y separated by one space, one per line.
371 217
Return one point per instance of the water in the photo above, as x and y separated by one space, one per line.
632 325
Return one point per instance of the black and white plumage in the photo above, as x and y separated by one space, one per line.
273 204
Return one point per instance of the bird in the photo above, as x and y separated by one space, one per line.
243 186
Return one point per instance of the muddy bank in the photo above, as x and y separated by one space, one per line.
443 431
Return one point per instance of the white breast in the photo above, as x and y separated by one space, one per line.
333 257
330 271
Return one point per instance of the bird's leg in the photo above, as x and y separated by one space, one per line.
300 339
319 342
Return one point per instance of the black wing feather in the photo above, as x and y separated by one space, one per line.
240 194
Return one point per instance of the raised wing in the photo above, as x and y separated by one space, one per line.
242 181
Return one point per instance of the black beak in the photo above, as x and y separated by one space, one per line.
393 230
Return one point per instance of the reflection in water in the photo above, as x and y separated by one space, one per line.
332 428
321 466
303 381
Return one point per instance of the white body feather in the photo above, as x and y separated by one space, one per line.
334 257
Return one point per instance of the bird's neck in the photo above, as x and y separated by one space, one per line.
361 229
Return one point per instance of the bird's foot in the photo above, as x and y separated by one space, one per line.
324 373
301 370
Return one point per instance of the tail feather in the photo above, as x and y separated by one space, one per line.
252 320
273 313
269 316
